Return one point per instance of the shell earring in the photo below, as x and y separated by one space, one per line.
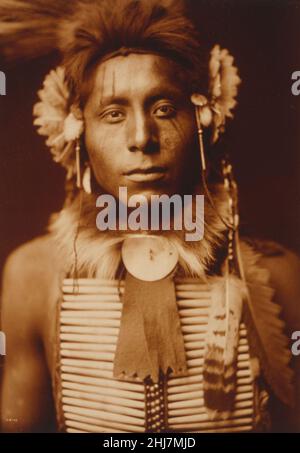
86 180
78 166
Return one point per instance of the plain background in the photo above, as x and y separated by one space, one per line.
264 138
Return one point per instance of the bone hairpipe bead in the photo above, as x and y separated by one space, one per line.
182 399
98 425
91 306
198 346
104 347
91 298
81 338
91 282
105 392
193 354
195 346
194 328
92 290
90 330
103 399
197 303
196 410
116 384
244 373
87 372
189 337
197 320
134 421
190 387
214 424
90 314
193 312
198 393
105 356
182 381
193 294
242 362
117 409
192 287
195 401
90 322
189 280
187 329
73 426
96 428
197 370
92 372
201 417
88 364
233 429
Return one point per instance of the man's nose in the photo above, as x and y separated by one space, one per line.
142 134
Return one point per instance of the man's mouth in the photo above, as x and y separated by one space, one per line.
146 174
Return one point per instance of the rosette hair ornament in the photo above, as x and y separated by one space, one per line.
223 88
61 124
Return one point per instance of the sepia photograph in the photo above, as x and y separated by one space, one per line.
150 217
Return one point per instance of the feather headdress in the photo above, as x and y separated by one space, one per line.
86 30
28 29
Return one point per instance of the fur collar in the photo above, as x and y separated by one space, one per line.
91 253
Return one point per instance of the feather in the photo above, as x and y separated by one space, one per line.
265 330
219 375
28 29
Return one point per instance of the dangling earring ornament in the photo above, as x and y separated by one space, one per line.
78 167
203 114
86 180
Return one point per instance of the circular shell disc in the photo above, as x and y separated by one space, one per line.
149 258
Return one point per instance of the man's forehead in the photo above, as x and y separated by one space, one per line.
134 74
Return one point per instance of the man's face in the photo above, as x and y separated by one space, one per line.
140 127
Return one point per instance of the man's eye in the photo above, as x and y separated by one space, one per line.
165 111
113 116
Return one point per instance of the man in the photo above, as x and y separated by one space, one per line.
122 332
